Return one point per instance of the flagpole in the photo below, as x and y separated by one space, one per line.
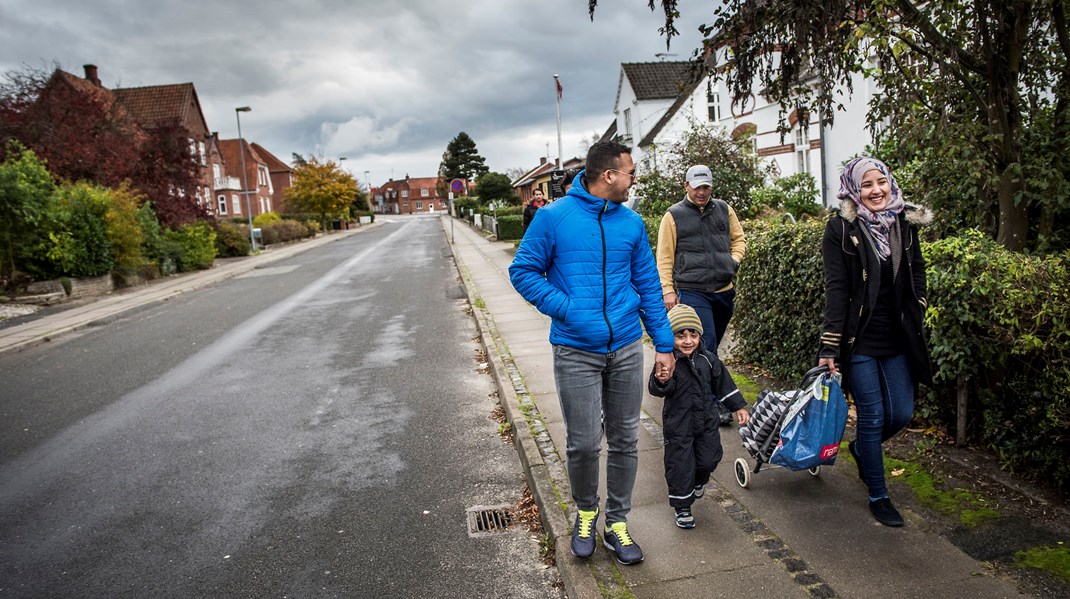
557 90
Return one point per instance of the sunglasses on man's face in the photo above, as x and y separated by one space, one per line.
632 174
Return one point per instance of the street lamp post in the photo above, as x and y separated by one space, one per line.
244 176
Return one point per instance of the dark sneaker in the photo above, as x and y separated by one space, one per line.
583 533
858 459
699 491
885 512
620 543
684 518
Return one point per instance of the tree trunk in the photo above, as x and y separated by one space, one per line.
1013 219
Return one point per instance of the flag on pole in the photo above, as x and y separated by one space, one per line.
560 91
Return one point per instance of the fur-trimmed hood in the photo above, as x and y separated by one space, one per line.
916 214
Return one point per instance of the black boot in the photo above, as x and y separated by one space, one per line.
885 512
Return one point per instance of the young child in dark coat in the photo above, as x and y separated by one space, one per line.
690 418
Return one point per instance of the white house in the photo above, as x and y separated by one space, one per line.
646 120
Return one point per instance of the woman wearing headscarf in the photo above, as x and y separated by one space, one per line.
874 303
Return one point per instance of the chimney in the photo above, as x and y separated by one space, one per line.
91 74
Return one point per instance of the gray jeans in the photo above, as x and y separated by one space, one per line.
601 391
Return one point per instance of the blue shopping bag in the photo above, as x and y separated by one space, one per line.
812 428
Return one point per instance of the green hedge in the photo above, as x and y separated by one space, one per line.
780 295
998 317
510 226
1001 318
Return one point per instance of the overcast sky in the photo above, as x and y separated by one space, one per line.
386 84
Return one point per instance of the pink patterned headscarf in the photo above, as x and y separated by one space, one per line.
880 223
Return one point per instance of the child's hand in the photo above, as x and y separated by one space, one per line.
742 416
662 374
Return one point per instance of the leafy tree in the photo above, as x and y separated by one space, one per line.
990 79
734 165
25 189
321 188
495 186
461 160
87 135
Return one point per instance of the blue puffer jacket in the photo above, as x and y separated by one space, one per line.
586 263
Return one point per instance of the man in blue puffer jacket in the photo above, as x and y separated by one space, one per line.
585 262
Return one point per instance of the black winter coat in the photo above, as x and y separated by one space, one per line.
852 279
699 380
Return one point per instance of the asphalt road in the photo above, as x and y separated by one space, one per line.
316 428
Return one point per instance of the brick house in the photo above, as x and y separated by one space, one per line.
136 113
411 195
279 173
159 106
257 174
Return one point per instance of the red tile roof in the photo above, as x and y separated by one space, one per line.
273 163
160 105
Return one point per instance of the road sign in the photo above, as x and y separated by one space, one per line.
457 186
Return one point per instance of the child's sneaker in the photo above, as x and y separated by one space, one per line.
699 491
620 543
684 518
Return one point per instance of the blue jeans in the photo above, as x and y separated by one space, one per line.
714 311
601 392
883 392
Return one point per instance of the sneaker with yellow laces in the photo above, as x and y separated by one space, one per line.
583 533
622 545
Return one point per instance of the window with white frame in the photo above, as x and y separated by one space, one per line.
236 202
216 171
262 175
200 199
200 150
222 199
713 102
628 122
404 193
425 192
419 205
802 147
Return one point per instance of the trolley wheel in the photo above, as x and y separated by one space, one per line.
742 472
815 471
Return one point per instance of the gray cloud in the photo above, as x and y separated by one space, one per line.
386 84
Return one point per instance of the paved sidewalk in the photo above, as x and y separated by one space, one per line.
41 329
789 534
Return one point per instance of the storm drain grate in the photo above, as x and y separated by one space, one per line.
484 520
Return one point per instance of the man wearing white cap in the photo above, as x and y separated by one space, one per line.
700 246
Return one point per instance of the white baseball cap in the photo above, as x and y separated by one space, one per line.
699 175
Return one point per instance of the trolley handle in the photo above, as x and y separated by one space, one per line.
811 376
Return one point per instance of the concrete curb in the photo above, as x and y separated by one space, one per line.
576 576
27 335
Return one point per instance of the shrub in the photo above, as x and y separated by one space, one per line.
265 218
510 226
285 230
1000 318
780 297
195 245
153 241
795 194
232 240
461 205
124 228
509 211
78 243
